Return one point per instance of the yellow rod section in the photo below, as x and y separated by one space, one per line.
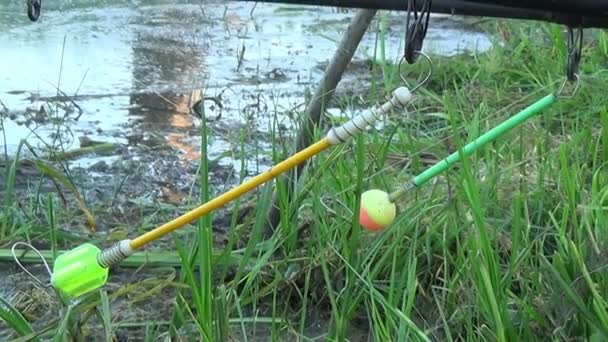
226 197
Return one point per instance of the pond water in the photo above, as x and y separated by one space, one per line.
134 68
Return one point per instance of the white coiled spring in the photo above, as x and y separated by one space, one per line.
356 125
405 189
115 254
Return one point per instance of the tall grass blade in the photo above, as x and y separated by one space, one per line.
14 319
52 226
485 265
106 316
63 330
604 132
205 236
9 196
178 317
57 176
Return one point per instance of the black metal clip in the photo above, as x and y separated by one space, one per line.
416 31
575 47
33 9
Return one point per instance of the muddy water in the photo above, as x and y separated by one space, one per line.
133 69
129 71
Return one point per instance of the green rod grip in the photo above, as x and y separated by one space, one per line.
489 136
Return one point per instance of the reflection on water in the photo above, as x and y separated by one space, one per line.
181 120
162 61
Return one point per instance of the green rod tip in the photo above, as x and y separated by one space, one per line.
77 272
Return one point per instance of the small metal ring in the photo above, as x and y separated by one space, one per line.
46 265
428 76
33 9
559 93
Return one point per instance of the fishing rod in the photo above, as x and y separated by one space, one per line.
580 13
85 268
585 13
566 6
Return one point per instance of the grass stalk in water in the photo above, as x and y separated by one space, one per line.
10 195
205 235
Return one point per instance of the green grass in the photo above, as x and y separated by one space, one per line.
8 202
14 319
507 245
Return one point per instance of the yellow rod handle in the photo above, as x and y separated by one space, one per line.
226 197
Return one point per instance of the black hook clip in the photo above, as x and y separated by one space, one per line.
575 47
33 9
416 31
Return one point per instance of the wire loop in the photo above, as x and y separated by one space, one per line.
425 80
560 92
46 265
